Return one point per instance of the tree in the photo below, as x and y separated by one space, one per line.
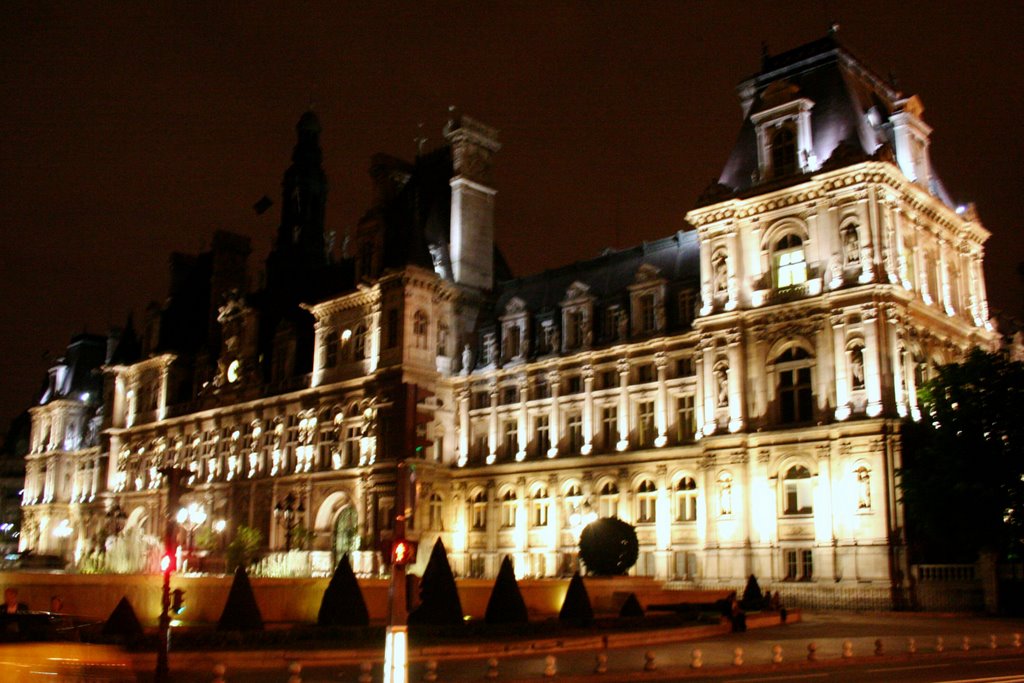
343 603
506 605
439 598
244 547
576 606
609 547
123 621
963 462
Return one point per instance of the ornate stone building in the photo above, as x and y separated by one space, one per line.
734 390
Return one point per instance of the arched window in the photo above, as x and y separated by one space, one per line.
479 510
686 500
798 491
508 509
851 244
646 499
725 493
420 323
608 500
540 504
790 264
359 342
796 398
784 161
863 475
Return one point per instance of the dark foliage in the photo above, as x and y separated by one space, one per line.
343 603
439 598
963 462
576 606
609 547
752 597
631 608
506 605
241 613
123 622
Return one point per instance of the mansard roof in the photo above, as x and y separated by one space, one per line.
677 259
77 371
849 119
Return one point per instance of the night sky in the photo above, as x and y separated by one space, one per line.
130 130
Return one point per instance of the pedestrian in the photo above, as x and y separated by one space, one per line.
11 604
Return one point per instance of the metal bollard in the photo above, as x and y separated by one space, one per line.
847 649
911 645
550 666
1016 640
649 664
365 672
295 672
430 673
993 642
696 659
940 644
879 649
492 667
737 657
965 644
812 652
776 654
601 663
218 673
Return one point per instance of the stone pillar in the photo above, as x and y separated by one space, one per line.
892 316
553 425
623 367
872 366
710 399
492 423
523 426
737 397
588 409
463 399
661 406
837 320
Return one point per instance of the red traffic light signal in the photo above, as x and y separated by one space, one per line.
403 551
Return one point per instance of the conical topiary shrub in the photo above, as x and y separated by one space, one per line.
241 613
343 603
439 598
506 605
752 598
631 608
123 621
576 606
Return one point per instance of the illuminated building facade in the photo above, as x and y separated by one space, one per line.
734 390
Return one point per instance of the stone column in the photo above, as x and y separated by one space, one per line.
867 248
892 316
837 320
588 409
553 425
623 418
710 399
523 426
492 424
872 365
737 397
661 406
463 399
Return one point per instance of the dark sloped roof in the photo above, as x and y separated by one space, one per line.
81 362
677 258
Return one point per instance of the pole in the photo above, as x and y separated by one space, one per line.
396 640
174 492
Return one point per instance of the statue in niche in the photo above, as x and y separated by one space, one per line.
721 387
863 489
467 359
851 245
588 335
720 276
857 367
835 269
725 496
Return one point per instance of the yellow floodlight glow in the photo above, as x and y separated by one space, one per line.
396 655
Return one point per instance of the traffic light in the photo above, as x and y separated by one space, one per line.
177 601
422 416
403 551
167 562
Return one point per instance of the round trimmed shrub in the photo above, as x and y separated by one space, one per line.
608 546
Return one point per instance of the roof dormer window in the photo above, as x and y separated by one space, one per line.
784 157
784 143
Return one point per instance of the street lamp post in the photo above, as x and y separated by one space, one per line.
288 513
190 517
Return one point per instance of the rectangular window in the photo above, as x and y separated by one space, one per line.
573 329
807 565
686 419
482 448
510 437
541 388
392 328
609 379
476 566
481 399
791 269
684 367
687 307
509 395
645 373
352 453
647 319
574 384
645 431
791 565
610 323
574 431
609 426
512 341
543 434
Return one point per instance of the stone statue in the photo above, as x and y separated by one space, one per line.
722 387
467 359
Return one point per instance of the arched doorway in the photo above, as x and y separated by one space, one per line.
345 537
